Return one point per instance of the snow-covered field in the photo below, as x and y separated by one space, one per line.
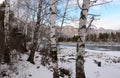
110 65
110 62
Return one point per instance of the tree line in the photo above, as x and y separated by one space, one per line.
101 37
104 37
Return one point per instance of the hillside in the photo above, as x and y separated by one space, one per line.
70 31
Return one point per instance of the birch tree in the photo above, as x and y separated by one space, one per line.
53 38
82 33
81 40
36 35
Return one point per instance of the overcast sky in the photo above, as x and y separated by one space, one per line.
1 1
110 15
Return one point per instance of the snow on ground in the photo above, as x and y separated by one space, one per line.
110 64
35 71
25 69
66 58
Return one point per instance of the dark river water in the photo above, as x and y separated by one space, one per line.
93 47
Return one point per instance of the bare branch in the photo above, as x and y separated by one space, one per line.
93 15
92 20
64 15
79 4
100 3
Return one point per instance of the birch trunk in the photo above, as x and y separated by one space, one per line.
53 39
36 35
6 32
81 41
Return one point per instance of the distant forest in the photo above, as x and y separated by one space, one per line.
101 37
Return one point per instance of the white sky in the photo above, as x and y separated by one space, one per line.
1 1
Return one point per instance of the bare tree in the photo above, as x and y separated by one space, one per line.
53 38
81 41
82 33
35 40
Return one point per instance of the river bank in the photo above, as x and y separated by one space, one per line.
93 43
109 68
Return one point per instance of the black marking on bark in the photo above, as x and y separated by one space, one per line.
85 9
53 36
54 47
52 44
82 45
77 47
83 27
53 26
53 12
80 57
54 56
83 5
82 16
50 9
79 39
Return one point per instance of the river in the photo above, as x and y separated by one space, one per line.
93 47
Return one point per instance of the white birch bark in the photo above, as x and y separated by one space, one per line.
81 41
53 38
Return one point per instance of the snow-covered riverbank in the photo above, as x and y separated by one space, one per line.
93 43
110 63
109 68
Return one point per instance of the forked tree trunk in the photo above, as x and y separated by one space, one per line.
81 41
6 32
36 35
53 39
